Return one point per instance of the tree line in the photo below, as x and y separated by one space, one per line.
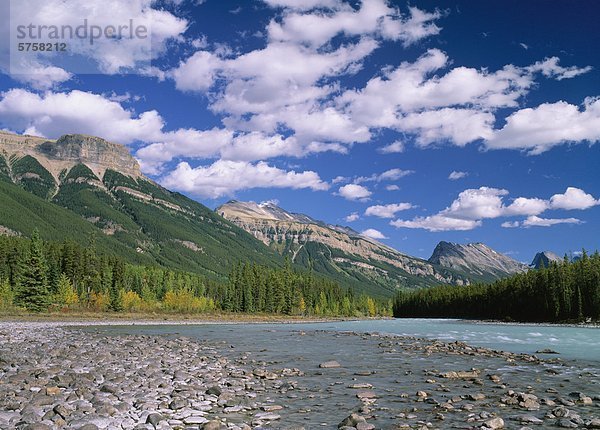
64 276
563 291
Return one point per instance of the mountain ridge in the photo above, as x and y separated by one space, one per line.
98 188
544 259
335 249
478 259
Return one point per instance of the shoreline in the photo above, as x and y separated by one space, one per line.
241 379
145 319
232 319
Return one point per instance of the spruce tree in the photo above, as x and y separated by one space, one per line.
33 293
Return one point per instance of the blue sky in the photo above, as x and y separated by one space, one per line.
413 122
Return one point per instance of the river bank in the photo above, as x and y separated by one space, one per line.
95 378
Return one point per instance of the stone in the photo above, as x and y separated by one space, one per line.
89 426
212 425
593 423
566 423
329 365
178 404
52 391
271 408
476 397
214 391
352 420
494 423
529 419
154 419
197 420
367 394
560 412
546 351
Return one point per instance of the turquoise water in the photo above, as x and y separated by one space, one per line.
579 343
572 343
323 397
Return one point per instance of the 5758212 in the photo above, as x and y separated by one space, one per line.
42 47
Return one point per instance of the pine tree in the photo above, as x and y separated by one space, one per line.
33 293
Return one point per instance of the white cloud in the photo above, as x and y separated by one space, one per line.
477 204
271 202
525 206
197 73
535 221
392 187
547 125
573 198
54 114
373 234
550 68
388 175
393 148
387 211
110 55
437 223
352 217
374 18
472 206
224 178
40 76
303 5
354 192
455 175
459 126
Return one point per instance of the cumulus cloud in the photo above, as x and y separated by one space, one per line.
373 18
472 206
224 178
535 221
455 175
393 148
526 206
392 187
303 5
373 234
551 69
41 76
352 217
388 175
437 223
573 198
548 125
354 192
53 114
108 55
387 211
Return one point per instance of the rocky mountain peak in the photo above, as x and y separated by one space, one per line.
261 211
544 259
69 150
476 258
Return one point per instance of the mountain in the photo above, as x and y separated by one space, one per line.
79 186
478 260
335 251
544 258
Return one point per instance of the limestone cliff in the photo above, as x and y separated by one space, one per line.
341 249
62 154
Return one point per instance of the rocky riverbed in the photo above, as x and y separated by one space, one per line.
74 378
